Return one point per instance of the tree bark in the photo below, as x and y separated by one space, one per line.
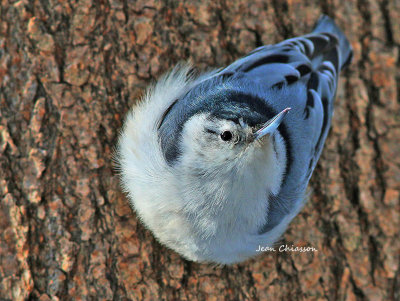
70 71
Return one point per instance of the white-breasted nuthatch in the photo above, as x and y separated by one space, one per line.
215 165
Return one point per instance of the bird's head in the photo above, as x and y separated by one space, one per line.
229 141
232 142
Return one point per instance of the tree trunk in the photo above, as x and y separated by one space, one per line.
70 71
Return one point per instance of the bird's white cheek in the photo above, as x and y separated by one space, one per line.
270 162
278 162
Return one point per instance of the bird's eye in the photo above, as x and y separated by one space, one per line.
226 136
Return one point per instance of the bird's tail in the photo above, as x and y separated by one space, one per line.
326 25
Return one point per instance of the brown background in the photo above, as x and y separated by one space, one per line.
70 71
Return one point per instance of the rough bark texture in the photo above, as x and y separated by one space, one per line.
70 71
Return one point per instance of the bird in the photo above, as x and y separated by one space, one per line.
217 164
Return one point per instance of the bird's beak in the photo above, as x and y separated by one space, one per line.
271 125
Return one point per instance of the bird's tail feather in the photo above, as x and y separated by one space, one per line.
326 24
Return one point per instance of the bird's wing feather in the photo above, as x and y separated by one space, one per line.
313 60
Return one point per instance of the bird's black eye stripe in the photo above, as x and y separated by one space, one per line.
210 131
226 135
